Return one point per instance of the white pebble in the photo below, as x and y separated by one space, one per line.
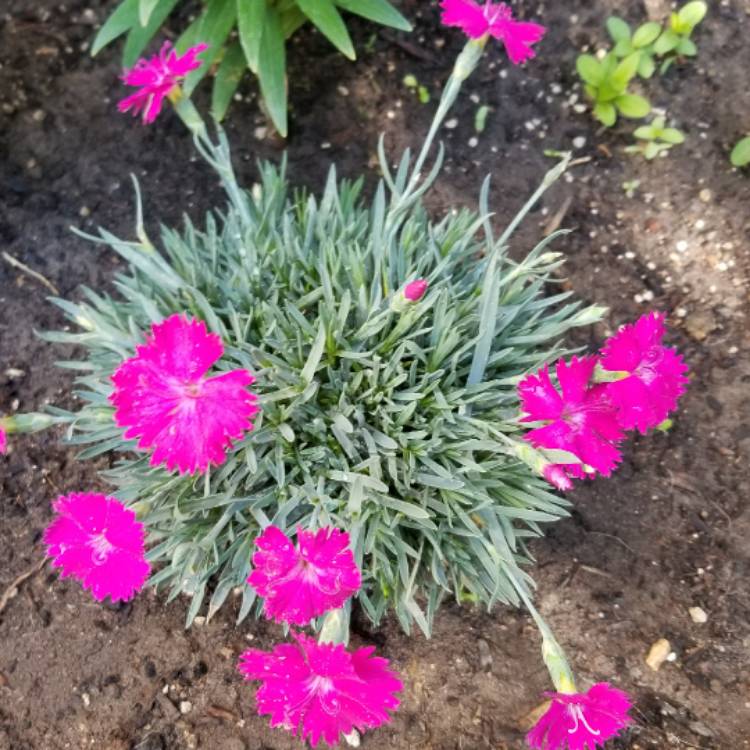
682 246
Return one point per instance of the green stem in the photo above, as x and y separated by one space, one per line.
552 652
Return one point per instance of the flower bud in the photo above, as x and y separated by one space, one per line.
415 290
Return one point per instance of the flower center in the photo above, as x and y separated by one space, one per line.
575 418
576 713
101 548
646 371
323 689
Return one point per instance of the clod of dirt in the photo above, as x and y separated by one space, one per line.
700 324
658 653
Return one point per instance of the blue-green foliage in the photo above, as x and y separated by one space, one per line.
396 421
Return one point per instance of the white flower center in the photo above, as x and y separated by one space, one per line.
577 713
101 548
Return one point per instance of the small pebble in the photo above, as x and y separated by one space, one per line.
658 654
698 615
579 142
185 707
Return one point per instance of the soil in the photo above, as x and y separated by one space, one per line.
667 533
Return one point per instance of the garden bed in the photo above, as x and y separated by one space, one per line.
667 533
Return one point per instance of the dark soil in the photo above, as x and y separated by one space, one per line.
670 530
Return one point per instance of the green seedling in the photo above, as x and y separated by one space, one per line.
606 84
480 118
641 42
675 40
630 186
741 153
655 139
423 94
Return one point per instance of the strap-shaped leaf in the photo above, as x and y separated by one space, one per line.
227 80
251 16
272 70
324 15
121 21
216 23
145 9
140 36
380 11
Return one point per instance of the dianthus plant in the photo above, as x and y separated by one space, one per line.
389 413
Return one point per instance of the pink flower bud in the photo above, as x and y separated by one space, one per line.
557 475
415 290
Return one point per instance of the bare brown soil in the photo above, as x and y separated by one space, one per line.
669 532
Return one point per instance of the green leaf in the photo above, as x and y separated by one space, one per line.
145 9
380 11
633 106
672 135
215 25
692 14
122 20
140 36
272 70
618 29
652 150
646 66
251 16
625 71
646 34
589 69
740 156
228 78
666 42
687 48
623 48
324 15
645 133
606 113
291 20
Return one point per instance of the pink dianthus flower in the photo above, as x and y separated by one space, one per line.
581 721
299 583
656 377
97 540
156 77
579 418
163 397
495 19
322 690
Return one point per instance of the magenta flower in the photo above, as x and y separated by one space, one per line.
3 441
156 77
163 398
97 540
579 418
495 19
322 690
581 721
415 290
299 583
656 378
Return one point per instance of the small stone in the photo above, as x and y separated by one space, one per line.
579 142
185 707
705 195
699 728
485 655
698 615
682 246
658 654
352 739
451 124
86 698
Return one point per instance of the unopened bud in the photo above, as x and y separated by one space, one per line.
415 290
